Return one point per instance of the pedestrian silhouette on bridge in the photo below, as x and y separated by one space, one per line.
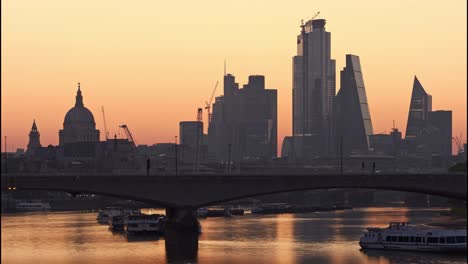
148 165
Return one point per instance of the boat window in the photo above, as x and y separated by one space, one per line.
432 240
442 240
461 239
418 239
411 239
405 239
394 239
450 240
388 239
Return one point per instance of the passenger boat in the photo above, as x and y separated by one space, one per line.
104 215
405 236
32 206
272 208
145 224
117 222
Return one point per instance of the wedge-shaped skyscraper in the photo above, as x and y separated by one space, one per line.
420 106
354 123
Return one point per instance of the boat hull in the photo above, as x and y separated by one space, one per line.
422 248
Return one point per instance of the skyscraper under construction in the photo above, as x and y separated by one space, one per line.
313 91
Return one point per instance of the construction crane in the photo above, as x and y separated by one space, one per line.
199 115
458 142
127 132
208 104
314 16
105 125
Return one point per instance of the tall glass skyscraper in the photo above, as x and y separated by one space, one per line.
420 106
354 125
313 89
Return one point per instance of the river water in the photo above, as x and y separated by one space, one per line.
322 238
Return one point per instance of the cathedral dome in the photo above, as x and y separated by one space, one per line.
78 125
79 114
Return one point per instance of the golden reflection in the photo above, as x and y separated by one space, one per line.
285 238
380 217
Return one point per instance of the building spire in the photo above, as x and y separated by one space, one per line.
34 127
79 97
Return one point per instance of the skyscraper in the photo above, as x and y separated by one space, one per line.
354 125
420 106
314 88
442 120
245 119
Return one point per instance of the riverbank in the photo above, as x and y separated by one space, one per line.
449 222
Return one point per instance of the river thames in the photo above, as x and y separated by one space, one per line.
322 238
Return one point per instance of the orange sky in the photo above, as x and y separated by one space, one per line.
153 63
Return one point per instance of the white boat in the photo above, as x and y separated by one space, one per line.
32 206
142 223
405 236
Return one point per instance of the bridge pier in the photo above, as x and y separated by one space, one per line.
181 247
181 234
182 220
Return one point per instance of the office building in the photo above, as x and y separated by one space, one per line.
244 121
420 106
354 125
314 89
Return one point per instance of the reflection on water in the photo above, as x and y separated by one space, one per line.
323 238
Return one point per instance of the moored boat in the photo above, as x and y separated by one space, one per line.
32 206
145 224
405 236
117 223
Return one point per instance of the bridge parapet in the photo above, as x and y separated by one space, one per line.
200 190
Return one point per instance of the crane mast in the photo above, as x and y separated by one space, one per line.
208 104
105 125
129 135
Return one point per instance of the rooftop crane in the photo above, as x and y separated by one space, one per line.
208 104
127 132
314 16
105 125
458 142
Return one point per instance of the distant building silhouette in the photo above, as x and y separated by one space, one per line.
442 120
313 90
386 144
34 139
245 118
354 125
79 139
79 125
192 140
420 106
190 132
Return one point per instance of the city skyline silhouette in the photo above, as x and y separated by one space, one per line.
151 97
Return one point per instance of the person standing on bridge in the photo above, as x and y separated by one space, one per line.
148 166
